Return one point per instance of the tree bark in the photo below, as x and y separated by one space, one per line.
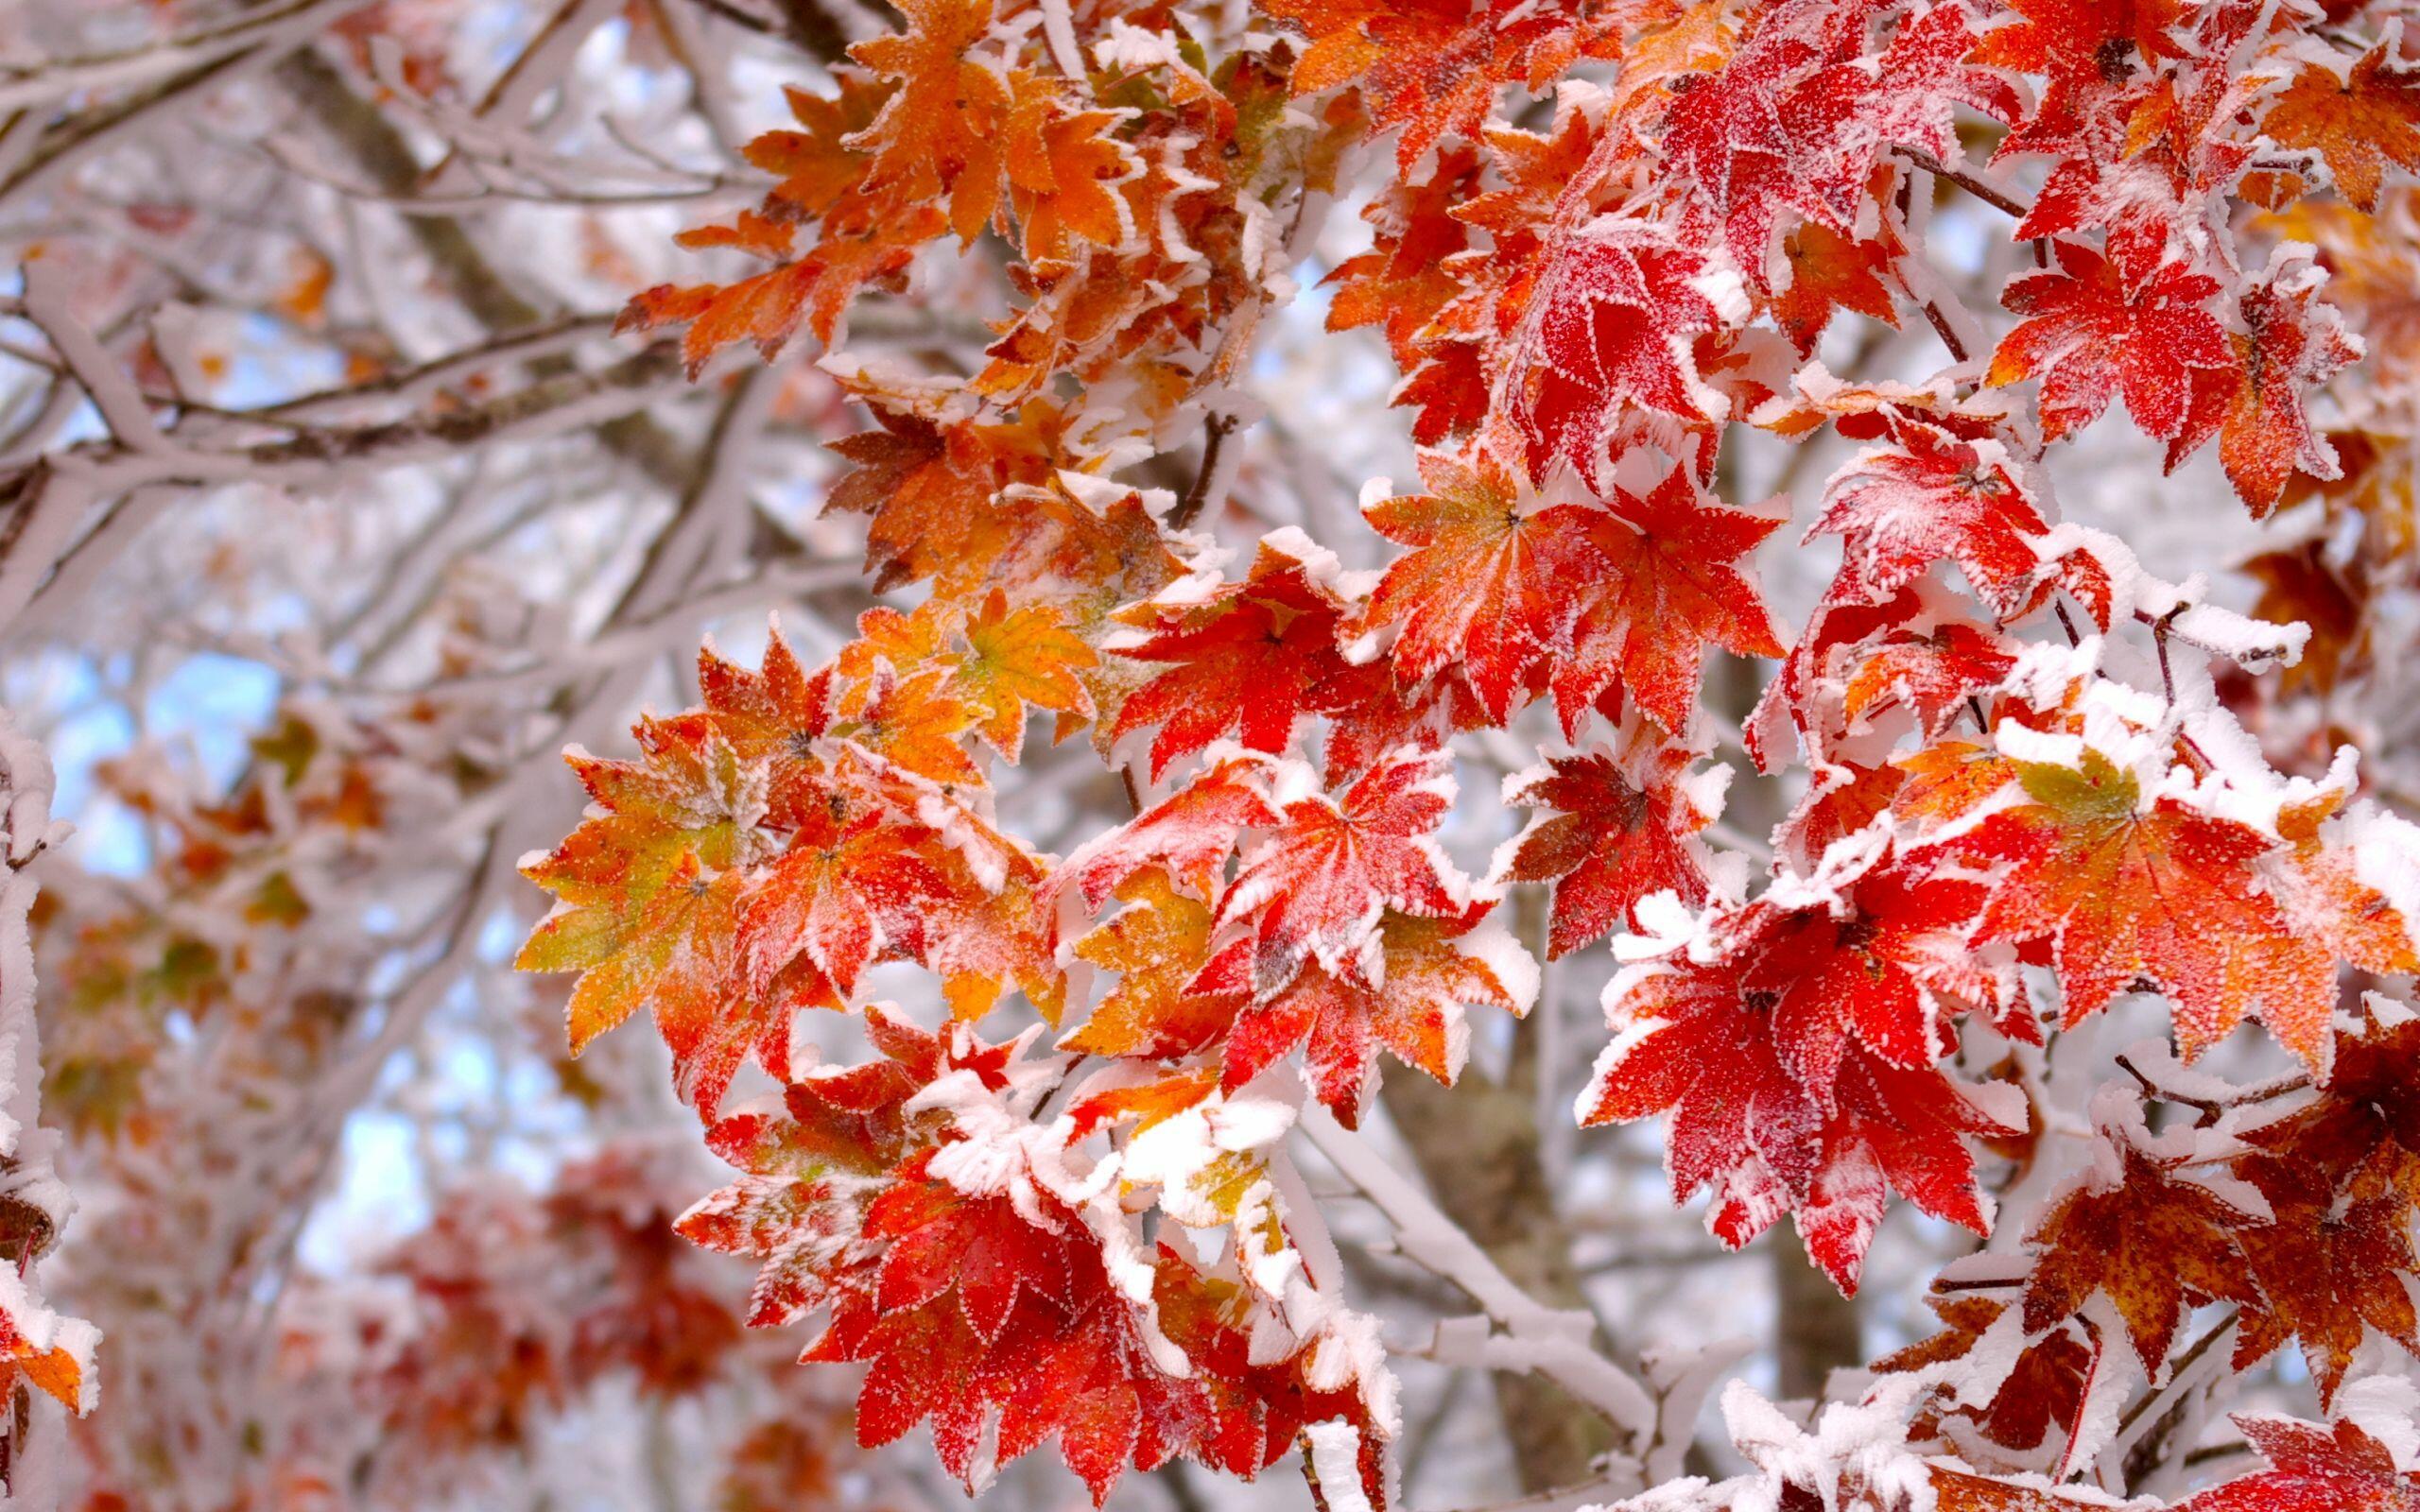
1816 1329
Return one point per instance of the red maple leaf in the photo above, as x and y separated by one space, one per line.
855 881
1886 966
1253 657
1192 832
1315 889
1932 496
1697 1041
2292 340
2158 893
975 1314
2096 328
1666 583
2313 1468
1620 832
2147 1236
1608 327
1414 1011
1932 674
1476 588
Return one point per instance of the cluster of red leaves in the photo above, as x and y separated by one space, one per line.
1581 315
985 1308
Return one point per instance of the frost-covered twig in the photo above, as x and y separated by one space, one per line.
1535 1336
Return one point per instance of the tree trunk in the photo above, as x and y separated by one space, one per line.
1816 1329
1476 1144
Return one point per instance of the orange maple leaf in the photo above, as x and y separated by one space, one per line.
2359 123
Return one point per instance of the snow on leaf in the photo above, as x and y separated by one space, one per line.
1933 674
2094 329
1695 1037
854 881
1064 172
1478 585
2358 122
929 489
1608 328
2312 1469
2041 1393
1316 888
1619 830
943 129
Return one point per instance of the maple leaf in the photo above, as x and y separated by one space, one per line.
1063 169
806 1161
2094 329
1666 584
1932 496
2333 1262
649 890
1158 944
1192 832
771 716
2312 1469
2359 123
976 1314
1827 272
1478 585
1020 659
2340 1173
855 882
915 723
766 309
987 940
942 129
2291 341
1316 886
1932 674
2161 893
52 1369
1756 148
1402 282
2145 1234
1887 967
1796 119
1257 1407
929 489
2071 38
1432 67
1608 327
1252 659
1414 1011
1694 1039
815 166
2046 1390
1620 832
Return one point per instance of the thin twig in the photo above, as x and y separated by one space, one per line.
1215 431
1999 199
